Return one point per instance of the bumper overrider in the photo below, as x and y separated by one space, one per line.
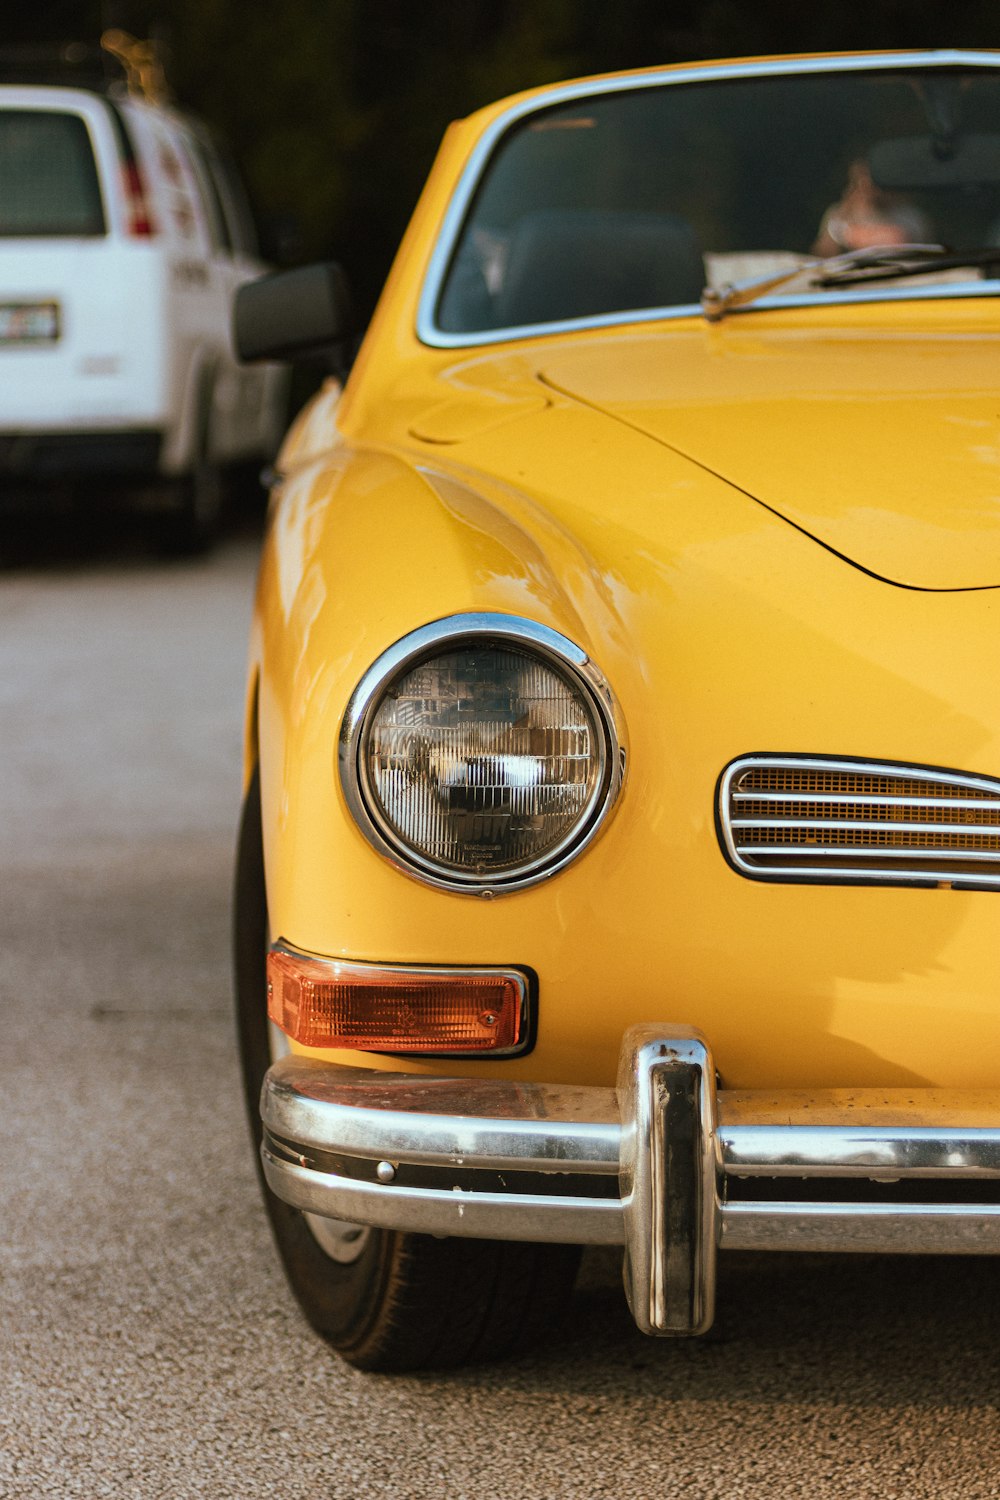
666 1165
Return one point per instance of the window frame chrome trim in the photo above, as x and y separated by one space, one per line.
793 874
440 258
450 633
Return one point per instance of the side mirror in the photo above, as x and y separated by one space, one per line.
293 315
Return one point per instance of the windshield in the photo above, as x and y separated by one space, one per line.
638 199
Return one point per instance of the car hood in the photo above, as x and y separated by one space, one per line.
883 445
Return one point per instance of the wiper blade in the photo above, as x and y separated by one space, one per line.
943 260
877 263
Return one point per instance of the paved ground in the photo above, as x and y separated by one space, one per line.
148 1346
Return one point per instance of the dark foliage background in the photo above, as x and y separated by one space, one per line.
334 108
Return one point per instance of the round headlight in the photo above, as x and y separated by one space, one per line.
481 752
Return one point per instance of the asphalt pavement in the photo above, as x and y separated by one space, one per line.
148 1344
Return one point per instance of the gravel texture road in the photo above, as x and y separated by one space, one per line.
149 1347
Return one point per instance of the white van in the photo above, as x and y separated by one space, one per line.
123 237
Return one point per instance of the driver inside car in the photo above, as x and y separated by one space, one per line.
867 215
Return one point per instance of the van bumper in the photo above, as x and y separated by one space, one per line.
43 456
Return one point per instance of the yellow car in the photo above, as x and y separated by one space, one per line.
621 846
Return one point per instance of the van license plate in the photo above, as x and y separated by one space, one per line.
29 322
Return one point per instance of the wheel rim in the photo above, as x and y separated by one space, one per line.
342 1241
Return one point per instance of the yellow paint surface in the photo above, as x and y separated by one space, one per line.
778 533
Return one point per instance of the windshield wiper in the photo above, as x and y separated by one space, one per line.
942 260
879 263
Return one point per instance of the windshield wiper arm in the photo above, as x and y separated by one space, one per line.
881 261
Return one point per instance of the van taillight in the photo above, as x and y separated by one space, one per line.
138 219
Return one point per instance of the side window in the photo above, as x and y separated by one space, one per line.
213 207
228 197
237 205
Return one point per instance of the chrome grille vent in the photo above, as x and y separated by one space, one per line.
789 817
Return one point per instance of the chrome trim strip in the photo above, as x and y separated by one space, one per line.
840 851
848 863
862 766
524 1216
987 804
869 1228
843 297
806 875
443 1121
445 634
887 1153
981 830
451 224
896 1229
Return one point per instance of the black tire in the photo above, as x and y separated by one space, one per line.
197 503
408 1301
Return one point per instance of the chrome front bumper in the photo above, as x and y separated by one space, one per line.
653 1165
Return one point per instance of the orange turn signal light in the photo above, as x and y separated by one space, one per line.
327 1002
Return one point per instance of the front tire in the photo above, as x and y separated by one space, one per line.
193 522
406 1301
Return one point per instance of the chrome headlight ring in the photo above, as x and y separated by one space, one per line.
511 635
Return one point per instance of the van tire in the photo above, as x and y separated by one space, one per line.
197 504
197 497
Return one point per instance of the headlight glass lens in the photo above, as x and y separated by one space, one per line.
484 760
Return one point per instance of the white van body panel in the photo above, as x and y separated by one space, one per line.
110 366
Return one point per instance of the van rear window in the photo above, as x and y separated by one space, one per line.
48 176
